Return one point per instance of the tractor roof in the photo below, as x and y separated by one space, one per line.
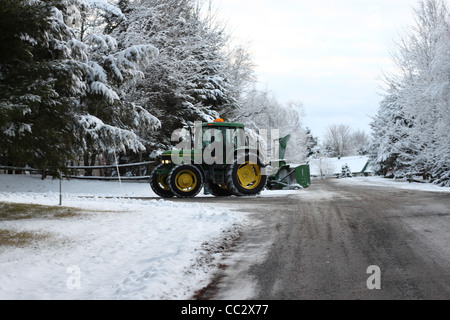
222 125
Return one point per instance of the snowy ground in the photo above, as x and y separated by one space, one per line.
119 248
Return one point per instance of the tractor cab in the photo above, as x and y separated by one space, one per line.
213 143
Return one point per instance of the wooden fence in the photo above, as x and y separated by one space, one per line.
147 164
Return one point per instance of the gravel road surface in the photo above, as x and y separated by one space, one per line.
329 242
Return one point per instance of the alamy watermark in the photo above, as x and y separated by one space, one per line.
73 282
374 281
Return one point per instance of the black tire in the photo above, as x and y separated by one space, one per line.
217 190
159 183
185 181
253 186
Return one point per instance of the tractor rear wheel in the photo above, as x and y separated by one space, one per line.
245 178
185 181
158 182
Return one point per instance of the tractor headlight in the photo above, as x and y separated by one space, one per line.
166 162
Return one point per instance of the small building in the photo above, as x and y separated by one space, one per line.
332 167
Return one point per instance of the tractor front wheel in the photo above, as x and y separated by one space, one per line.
158 181
185 181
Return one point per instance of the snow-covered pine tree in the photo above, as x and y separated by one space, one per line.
105 119
439 149
346 172
61 85
408 131
36 84
312 144
187 81
390 129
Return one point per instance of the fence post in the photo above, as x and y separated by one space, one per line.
60 189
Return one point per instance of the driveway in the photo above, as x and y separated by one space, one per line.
336 240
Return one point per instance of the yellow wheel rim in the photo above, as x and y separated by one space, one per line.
162 182
249 175
186 180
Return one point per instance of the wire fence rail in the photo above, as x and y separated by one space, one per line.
15 169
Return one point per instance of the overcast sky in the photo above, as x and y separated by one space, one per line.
327 54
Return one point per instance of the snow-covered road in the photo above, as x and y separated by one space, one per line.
325 242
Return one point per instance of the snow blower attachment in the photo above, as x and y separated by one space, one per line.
287 177
219 158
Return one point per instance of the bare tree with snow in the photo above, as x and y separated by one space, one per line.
338 141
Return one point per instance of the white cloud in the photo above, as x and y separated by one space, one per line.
327 53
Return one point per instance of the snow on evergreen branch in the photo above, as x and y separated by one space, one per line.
108 136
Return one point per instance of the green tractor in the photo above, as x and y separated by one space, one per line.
219 158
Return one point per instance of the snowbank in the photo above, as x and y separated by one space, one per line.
116 249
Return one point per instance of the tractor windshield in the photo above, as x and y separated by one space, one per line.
211 135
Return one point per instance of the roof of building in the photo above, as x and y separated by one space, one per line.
332 166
